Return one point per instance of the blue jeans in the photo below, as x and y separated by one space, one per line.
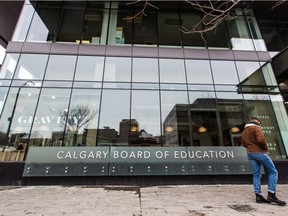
256 160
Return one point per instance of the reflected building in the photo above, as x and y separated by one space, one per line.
82 73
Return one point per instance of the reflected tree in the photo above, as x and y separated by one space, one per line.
77 117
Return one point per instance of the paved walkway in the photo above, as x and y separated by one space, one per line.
184 200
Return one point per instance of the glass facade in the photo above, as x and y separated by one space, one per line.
50 99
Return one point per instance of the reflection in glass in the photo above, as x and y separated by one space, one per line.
224 72
198 71
250 73
89 68
260 106
48 127
82 118
232 117
168 29
60 67
114 125
117 69
145 70
203 114
22 119
72 20
175 126
145 116
31 66
145 29
172 71
8 68
120 29
187 21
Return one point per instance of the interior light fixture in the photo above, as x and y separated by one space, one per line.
234 130
168 129
202 129
134 128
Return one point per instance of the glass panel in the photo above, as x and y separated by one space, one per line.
168 29
145 29
239 34
23 23
17 117
60 67
232 117
145 70
175 126
49 124
89 68
204 124
217 38
8 67
72 22
82 118
260 106
249 73
270 35
256 34
31 66
224 72
3 95
120 29
114 125
191 39
117 69
198 71
94 20
172 71
145 118
45 20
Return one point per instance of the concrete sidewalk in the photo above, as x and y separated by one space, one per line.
184 200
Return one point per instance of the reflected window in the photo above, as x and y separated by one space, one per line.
232 116
224 72
60 67
204 125
175 121
89 68
145 114
115 124
31 66
145 70
198 71
172 71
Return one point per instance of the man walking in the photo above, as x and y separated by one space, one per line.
255 143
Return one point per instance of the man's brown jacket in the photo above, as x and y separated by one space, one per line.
253 139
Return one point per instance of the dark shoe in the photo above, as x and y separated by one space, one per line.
261 199
272 198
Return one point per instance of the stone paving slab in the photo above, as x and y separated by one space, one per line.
179 200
